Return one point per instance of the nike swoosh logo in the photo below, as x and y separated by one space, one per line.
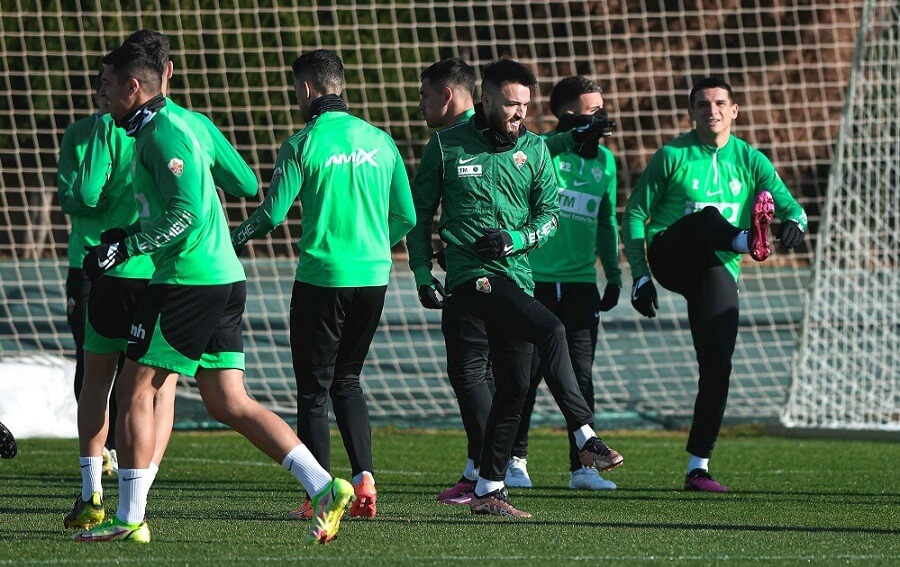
634 294
580 183
465 161
132 342
130 478
85 466
596 314
507 249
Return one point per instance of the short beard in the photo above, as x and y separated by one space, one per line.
497 124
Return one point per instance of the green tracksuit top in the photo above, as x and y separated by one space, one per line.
183 225
86 223
355 197
104 183
480 188
587 222
684 177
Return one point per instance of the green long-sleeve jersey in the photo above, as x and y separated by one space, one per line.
183 225
104 183
355 198
686 176
587 222
86 223
480 188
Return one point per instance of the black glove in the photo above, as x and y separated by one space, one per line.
432 296
587 134
103 258
610 297
790 234
495 243
643 297
441 258
113 235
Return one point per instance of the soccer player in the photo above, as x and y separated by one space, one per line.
356 202
188 320
103 184
8 448
446 92
86 226
494 182
565 273
105 177
705 198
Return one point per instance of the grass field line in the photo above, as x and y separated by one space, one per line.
381 558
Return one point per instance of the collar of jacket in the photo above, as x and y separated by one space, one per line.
138 118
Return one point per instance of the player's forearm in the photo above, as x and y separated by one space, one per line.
418 245
560 143
168 231
259 224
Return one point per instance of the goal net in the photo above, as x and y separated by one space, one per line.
847 374
788 62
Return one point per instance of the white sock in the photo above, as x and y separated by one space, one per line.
484 486
471 473
739 243
306 469
154 470
91 473
695 462
582 434
358 477
134 486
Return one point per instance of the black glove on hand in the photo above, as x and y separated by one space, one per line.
587 135
103 258
495 243
643 297
610 297
441 258
790 234
432 296
113 235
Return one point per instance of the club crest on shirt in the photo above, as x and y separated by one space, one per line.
276 175
597 173
520 158
176 166
736 186
483 285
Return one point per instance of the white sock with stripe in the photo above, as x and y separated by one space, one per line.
306 469
91 473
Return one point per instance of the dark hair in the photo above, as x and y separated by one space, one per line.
569 90
323 68
710 83
453 71
156 44
500 71
132 60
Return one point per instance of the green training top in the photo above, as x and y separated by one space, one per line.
480 188
86 223
686 176
587 222
355 197
183 225
104 183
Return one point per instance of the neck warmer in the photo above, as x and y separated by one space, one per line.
326 103
501 142
137 119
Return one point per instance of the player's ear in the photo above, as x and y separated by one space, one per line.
447 94
734 111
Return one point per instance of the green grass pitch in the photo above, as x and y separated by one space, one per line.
217 501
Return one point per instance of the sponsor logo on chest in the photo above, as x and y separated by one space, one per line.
577 203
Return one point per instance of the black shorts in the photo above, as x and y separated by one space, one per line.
183 327
111 306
